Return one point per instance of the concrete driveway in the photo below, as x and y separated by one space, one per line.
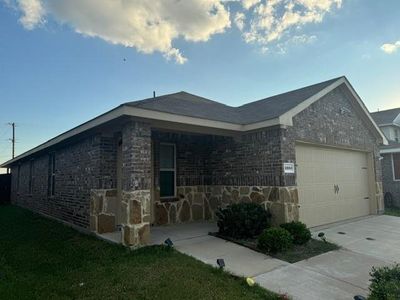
371 241
367 242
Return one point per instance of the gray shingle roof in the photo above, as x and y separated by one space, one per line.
183 103
385 116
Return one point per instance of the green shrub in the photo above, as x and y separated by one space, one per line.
242 220
385 283
299 231
275 239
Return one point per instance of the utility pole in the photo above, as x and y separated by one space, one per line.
13 142
13 138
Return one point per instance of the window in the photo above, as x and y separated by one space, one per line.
52 174
396 166
31 175
167 170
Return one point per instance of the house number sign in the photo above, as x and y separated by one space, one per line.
288 168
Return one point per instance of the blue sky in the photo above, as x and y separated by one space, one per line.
53 78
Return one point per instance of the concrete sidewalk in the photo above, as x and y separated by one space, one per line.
193 239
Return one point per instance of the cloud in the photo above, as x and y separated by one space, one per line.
274 20
239 20
147 26
33 13
247 4
303 39
154 26
390 48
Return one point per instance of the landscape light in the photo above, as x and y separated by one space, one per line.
168 242
321 235
221 263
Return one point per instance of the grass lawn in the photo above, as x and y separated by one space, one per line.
392 211
43 259
296 253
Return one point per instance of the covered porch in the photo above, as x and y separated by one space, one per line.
164 174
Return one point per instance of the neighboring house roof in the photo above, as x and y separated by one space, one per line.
185 108
386 117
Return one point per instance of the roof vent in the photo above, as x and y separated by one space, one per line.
154 94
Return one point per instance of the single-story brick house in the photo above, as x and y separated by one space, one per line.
311 154
389 122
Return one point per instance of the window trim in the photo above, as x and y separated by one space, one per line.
394 173
169 169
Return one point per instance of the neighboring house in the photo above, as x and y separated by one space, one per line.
311 154
389 122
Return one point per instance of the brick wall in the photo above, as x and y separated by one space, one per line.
136 156
389 185
108 161
80 167
248 159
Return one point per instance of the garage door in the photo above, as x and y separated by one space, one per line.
332 184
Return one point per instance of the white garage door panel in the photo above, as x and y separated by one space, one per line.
318 171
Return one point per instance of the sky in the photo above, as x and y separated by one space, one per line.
64 62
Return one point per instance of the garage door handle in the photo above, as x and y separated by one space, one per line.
336 189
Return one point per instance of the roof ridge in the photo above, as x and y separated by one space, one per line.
174 95
205 99
145 100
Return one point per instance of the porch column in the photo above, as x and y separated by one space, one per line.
136 182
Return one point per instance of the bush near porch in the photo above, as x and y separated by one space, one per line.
43 259
291 242
242 220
